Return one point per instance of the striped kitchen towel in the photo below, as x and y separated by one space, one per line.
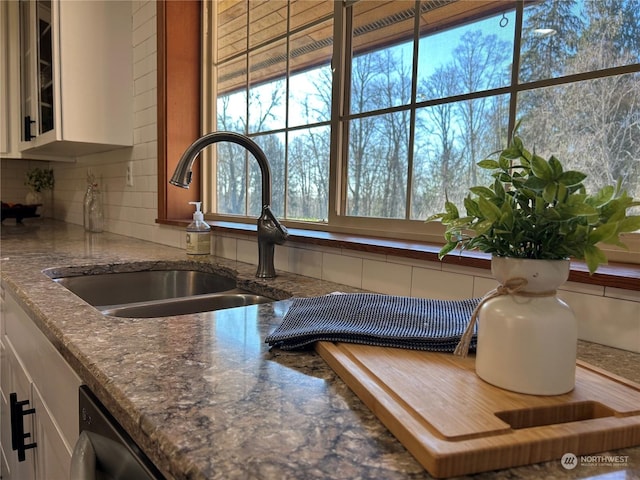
375 319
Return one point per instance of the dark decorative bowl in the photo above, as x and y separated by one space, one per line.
19 211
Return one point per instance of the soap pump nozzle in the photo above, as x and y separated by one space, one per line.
198 216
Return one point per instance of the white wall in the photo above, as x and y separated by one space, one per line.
606 315
129 210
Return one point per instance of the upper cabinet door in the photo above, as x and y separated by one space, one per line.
10 129
76 80
36 69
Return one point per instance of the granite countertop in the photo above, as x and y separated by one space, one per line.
202 394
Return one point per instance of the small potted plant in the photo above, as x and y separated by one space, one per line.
532 219
38 180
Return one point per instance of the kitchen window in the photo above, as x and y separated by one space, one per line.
372 112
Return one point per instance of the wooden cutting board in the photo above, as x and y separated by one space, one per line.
454 423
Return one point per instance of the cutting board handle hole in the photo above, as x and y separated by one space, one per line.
554 414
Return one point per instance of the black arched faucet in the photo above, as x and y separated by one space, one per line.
270 231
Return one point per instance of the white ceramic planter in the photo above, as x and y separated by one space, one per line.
527 340
33 198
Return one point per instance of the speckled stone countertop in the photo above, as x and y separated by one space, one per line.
202 394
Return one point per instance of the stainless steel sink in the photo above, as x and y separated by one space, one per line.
129 287
159 293
187 305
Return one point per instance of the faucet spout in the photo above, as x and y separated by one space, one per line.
270 231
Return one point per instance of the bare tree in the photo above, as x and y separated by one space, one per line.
480 62
550 37
378 159
231 171
436 161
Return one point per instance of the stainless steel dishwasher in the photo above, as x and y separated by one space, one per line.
104 451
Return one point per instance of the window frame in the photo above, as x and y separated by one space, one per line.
179 99
334 234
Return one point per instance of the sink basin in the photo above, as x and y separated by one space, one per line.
108 289
159 293
187 305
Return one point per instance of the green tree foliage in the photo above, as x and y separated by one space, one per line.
543 55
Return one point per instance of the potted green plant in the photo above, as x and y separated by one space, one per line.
38 180
532 219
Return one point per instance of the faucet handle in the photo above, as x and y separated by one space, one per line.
270 229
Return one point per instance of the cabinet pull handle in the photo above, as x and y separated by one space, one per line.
18 434
27 128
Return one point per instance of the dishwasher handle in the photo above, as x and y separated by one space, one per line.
95 454
83 459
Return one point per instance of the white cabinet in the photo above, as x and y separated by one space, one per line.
53 453
9 80
36 373
71 82
16 383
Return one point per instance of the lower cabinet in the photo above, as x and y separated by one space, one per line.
16 384
38 400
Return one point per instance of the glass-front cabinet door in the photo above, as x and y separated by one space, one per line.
73 89
45 66
36 69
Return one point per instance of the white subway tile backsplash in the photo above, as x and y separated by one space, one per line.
144 65
145 100
466 270
148 166
482 286
144 31
226 247
280 257
131 199
145 83
152 153
303 261
364 255
144 117
148 183
145 133
145 48
166 235
341 269
246 251
585 288
385 277
149 200
632 295
426 283
605 320
142 12
416 263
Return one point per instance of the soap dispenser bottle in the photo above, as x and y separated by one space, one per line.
198 234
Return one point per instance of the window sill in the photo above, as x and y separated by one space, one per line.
615 275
